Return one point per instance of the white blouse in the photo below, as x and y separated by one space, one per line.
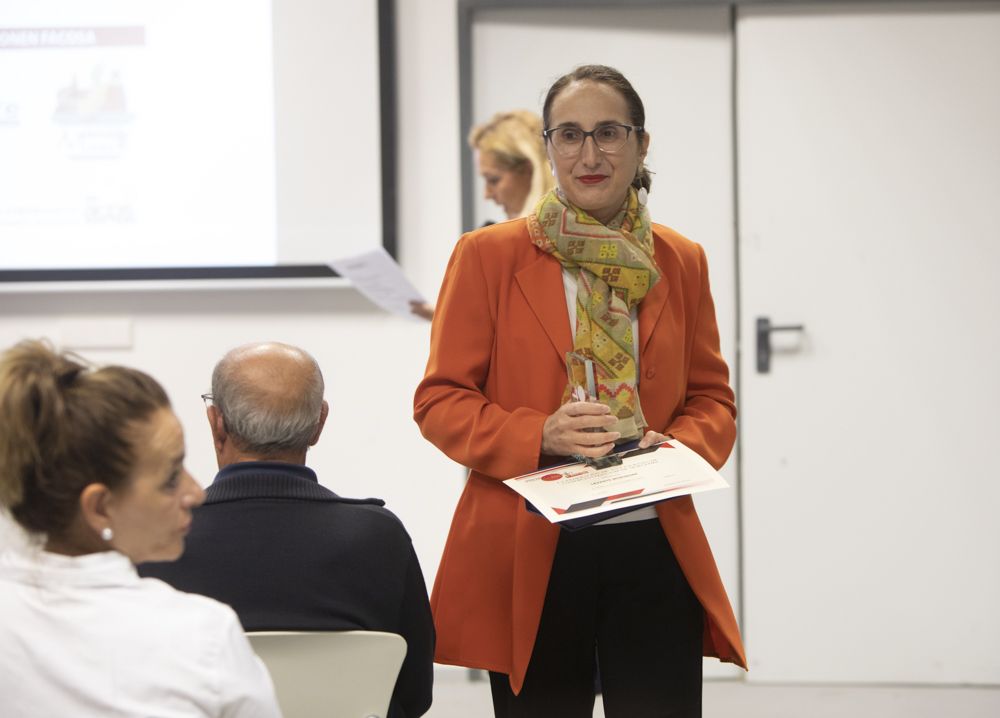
85 636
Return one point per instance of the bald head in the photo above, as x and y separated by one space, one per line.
270 396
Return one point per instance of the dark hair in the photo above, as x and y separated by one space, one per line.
611 77
63 426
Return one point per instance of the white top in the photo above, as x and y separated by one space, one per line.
85 636
11 534
643 513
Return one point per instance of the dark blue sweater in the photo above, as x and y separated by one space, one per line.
289 554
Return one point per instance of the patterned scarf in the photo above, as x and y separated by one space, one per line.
614 269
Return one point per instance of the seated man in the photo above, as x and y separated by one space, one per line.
285 552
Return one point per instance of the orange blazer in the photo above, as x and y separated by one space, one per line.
496 371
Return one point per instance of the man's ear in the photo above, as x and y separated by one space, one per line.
323 413
218 426
94 500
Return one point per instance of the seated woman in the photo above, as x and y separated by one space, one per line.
91 466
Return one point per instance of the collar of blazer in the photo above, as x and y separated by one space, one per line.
541 284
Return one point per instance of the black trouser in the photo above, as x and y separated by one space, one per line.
616 590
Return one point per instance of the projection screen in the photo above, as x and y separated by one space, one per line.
233 138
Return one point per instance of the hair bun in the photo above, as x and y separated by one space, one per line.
64 426
33 379
67 374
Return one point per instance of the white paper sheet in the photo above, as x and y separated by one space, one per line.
376 275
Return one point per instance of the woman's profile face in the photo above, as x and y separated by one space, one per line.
593 180
507 187
151 514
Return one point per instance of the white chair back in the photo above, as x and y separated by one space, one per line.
340 674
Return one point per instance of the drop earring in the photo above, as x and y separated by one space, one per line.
107 534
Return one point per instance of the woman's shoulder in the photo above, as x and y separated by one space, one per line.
675 240
674 248
500 236
192 608
499 245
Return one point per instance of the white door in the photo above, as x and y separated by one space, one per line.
679 59
869 157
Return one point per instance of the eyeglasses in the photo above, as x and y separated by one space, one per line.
207 398
568 141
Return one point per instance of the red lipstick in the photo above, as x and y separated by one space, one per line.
592 179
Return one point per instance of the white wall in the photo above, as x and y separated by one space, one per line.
372 362
178 336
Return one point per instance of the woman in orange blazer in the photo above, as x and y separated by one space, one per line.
515 594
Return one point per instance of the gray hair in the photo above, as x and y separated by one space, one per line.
259 421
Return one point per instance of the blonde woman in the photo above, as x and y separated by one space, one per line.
510 152
510 155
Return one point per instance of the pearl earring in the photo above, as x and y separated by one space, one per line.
107 534
643 195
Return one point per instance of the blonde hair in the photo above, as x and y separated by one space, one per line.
515 140
65 425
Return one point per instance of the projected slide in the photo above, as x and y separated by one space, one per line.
136 134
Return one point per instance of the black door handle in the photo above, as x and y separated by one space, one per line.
764 329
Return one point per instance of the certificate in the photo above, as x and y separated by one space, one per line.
570 492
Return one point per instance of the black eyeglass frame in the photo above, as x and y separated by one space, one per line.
547 134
